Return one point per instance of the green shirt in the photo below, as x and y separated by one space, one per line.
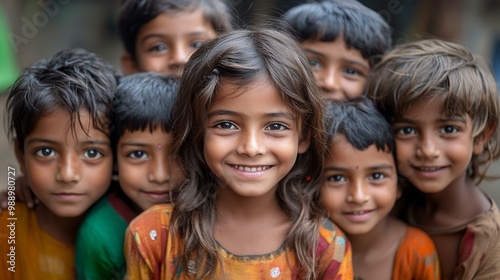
99 245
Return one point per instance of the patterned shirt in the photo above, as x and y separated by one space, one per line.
151 252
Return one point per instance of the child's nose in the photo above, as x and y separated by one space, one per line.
159 170
179 55
68 170
251 144
358 193
427 147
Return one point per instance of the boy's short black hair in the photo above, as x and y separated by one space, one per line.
73 80
362 28
361 124
143 101
134 14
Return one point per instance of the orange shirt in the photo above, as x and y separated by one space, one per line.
151 252
29 251
416 257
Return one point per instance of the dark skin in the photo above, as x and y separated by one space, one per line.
373 253
250 226
444 210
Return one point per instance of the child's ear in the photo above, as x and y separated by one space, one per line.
20 156
482 139
129 66
304 143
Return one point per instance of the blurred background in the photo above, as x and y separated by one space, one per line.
35 29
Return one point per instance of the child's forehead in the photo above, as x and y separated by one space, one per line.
432 105
147 130
61 123
335 49
258 94
339 144
193 19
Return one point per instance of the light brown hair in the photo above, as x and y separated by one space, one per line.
430 69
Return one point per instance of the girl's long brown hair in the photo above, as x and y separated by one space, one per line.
241 57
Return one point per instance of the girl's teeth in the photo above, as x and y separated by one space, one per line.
251 169
429 168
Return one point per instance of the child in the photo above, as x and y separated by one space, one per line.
160 35
342 40
359 189
247 133
443 105
58 115
141 140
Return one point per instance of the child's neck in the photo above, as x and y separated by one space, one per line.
373 253
62 229
385 232
250 226
445 209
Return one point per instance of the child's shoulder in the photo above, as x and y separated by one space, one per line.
18 215
332 236
157 215
487 224
415 238
483 236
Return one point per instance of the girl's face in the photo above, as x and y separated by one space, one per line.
434 151
146 168
67 168
252 138
359 188
165 43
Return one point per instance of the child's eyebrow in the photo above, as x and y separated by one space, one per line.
358 63
382 166
314 52
268 115
133 144
374 167
48 141
453 119
40 140
160 35
441 120
104 143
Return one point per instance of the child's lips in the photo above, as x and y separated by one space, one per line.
428 171
158 195
358 215
68 197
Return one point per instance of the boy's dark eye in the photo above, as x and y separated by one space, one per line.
137 154
92 154
450 129
405 130
45 152
336 178
377 176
